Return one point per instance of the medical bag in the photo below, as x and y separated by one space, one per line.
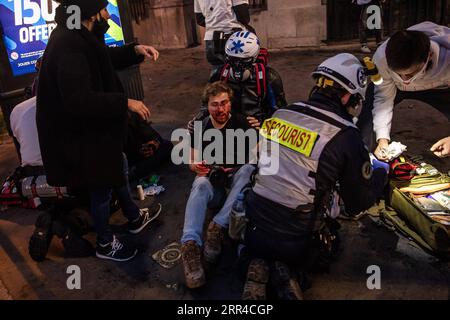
418 206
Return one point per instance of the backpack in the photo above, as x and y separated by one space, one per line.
37 187
10 195
28 187
11 190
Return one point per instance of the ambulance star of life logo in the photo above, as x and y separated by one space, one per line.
237 47
362 77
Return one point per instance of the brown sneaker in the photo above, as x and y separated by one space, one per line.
193 269
213 243
257 278
285 283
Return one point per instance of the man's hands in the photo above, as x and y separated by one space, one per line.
380 150
441 148
147 51
201 169
254 123
140 108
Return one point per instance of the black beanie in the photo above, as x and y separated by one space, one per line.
88 8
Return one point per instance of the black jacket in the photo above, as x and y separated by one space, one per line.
344 159
82 109
245 97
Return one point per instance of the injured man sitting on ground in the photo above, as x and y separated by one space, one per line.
224 169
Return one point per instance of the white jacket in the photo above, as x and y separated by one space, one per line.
219 15
363 2
23 127
438 76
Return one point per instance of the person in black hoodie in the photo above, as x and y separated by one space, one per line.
82 114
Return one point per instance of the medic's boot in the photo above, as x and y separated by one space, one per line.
192 265
285 283
257 278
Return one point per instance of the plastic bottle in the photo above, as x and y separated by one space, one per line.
237 218
140 193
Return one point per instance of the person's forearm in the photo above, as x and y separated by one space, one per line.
382 120
243 16
125 56
242 13
383 109
384 97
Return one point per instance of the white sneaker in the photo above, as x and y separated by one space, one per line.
365 49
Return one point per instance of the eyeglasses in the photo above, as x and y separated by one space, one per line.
216 105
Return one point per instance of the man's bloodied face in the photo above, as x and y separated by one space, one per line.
219 107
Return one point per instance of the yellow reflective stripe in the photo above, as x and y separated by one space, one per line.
289 135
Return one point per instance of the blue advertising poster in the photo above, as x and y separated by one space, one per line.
114 36
27 25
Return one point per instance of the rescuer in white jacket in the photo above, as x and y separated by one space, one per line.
414 64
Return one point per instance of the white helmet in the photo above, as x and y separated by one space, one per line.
243 45
347 71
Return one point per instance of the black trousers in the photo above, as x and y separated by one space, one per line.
362 27
272 244
214 55
437 98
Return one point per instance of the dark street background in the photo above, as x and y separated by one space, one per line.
173 86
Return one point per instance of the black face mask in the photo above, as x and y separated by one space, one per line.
100 28
242 68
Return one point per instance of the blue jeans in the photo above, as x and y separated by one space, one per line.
101 210
202 195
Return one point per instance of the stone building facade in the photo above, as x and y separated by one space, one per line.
279 23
